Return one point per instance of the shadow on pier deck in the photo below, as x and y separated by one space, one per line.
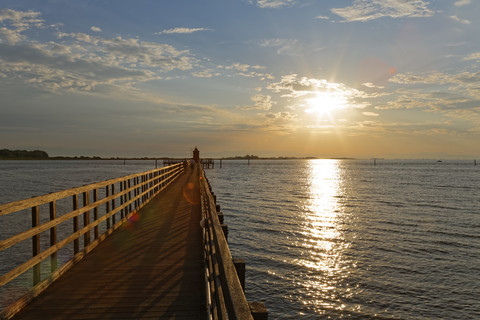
151 268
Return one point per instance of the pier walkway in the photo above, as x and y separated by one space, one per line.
150 268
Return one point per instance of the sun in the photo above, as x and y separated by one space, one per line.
326 103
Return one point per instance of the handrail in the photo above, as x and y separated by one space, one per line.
225 296
121 204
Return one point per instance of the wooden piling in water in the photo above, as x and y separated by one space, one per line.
259 311
240 267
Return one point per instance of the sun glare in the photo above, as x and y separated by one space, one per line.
325 103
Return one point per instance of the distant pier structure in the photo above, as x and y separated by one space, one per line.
208 163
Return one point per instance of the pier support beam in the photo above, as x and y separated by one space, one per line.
220 217
259 311
225 231
240 267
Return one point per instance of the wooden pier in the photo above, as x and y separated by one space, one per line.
208 163
163 254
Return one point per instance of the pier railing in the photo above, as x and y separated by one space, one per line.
96 211
224 275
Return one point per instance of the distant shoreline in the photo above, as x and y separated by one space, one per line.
171 158
6 154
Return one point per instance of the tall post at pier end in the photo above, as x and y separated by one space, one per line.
196 155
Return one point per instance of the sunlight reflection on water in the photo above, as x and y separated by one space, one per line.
324 240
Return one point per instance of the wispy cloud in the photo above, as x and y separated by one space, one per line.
96 29
246 70
182 30
371 85
461 3
283 46
463 21
364 10
437 78
274 3
473 56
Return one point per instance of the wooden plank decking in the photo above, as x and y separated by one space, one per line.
151 268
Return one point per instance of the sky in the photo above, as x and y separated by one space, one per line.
324 78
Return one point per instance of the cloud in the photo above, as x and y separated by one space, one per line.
370 114
473 56
364 10
279 121
284 46
437 78
81 62
461 3
10 36
126 52
371 85
430 78
247 70
302 91
261 102
204 73
182 30
463 21
38 67
96 29
301 86
274 3
21 19
453 95
17 22
322 17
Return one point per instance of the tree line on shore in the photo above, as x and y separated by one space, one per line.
23 154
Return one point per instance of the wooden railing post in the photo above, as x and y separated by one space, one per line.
150 185
76 243
95 214
135 192
107 209
86 219
53 236
113 204
143 187
122 211
36 244
129 196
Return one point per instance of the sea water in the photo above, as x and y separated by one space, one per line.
328 238
332 239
